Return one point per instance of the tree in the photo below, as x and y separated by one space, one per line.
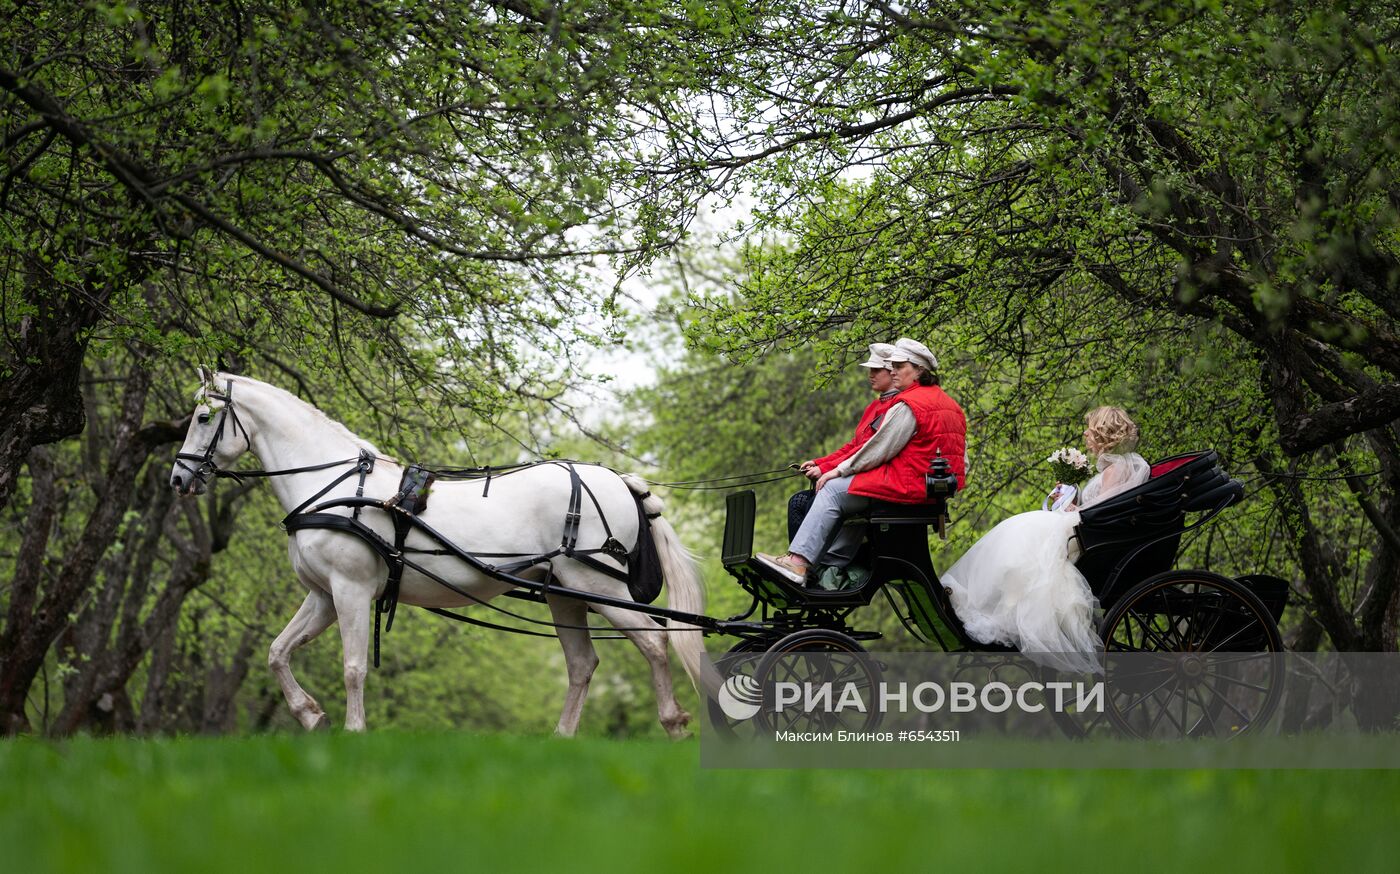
397 206
1063 181
429 182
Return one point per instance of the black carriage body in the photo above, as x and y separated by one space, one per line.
1126 540
1136 535
1192 624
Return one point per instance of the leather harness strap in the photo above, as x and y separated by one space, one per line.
404 522
365 465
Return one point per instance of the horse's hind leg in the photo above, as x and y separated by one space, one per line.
579 658
654 648
314 616
639 629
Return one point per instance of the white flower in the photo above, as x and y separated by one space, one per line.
1070 456
1069 464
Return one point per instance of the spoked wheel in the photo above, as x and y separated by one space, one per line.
1073 722
741 661
1191 654
811 658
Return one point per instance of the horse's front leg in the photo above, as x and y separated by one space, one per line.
353 603
314 616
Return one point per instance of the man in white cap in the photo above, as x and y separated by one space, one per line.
921 422
882 383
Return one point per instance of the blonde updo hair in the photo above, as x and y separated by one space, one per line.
1110 430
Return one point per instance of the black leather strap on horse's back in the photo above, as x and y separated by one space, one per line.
572 516
572 520
363 467
414 485
641 567
611 545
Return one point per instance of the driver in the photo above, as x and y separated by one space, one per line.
922 421
881 378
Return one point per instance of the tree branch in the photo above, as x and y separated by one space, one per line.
1376 408
140 181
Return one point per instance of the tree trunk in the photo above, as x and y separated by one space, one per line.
135 639
1378 606
35 633
223 683
1321 571
29 569
126 574
154 703
1295 706
41 399
124 625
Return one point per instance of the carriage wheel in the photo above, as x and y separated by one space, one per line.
1073 723
1218 667
816 656
741 660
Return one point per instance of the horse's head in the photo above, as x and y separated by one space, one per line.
215 440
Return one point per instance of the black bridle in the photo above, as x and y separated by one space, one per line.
206 465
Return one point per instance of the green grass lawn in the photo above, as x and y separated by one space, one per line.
392 801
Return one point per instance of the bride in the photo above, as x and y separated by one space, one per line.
1018 585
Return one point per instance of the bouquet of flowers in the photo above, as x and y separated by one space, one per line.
1070 467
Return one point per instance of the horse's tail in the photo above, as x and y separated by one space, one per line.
687 592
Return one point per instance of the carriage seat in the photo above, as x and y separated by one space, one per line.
1188 483
1134 535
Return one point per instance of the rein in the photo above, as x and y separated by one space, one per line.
732 482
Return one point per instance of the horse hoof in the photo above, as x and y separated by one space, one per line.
676 728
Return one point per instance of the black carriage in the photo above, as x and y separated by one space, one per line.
1217 670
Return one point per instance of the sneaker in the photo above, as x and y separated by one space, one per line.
784 567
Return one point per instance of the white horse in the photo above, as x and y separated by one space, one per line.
522 514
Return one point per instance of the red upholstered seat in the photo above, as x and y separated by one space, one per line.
1167 465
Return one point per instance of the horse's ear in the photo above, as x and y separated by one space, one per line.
204 376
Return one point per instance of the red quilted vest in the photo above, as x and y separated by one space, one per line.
864 431
940 427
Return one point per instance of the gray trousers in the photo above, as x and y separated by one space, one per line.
832 504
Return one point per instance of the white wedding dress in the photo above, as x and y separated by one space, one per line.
1018 585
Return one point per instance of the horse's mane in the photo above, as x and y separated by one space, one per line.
288 396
